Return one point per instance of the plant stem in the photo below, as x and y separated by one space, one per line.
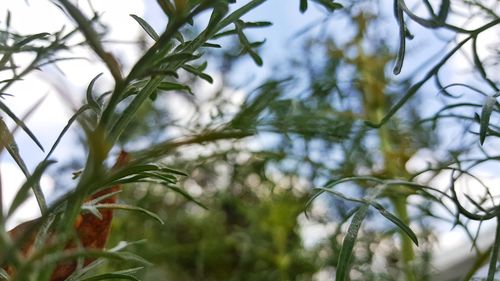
396 169
494 254
407 253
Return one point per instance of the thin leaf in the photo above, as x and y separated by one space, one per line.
257 24
3 274
90 98
130 208
340 195
492 268
246 44
21 124
303 6
23 192
173 171
401 225
348 244
105 196
65 129
169 179
485 117
93 210
149 30
211 45
7 141
132 170
224 33
219 11
186 195
84 253
179 37
330 5
172 86
162 72
124 244
31 38
185 57
444 10
167 7
402 39
110 276
198 73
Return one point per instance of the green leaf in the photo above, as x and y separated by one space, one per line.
186 195
444 10
219 11
348 244
172 86
132 170
485 117
6 138
237 14
257 24
173 171
23 192
90 98
133 257
7 141
3 275
303 6
167 7
31 38
401 225
246 45
162 72
130 208
105 196
179 37
211 45
92 209
122 274
20 123
124 244
65 129
167 178
185 57
495 248
198 73
149 30
330 5
84 253
224 33
110 276
256 58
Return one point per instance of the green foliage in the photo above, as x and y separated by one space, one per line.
230 211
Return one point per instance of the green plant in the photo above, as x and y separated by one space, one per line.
326 117
104 118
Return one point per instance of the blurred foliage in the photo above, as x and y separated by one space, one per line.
331 120
255 198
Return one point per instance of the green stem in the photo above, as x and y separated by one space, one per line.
398 200
494 253
407 252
